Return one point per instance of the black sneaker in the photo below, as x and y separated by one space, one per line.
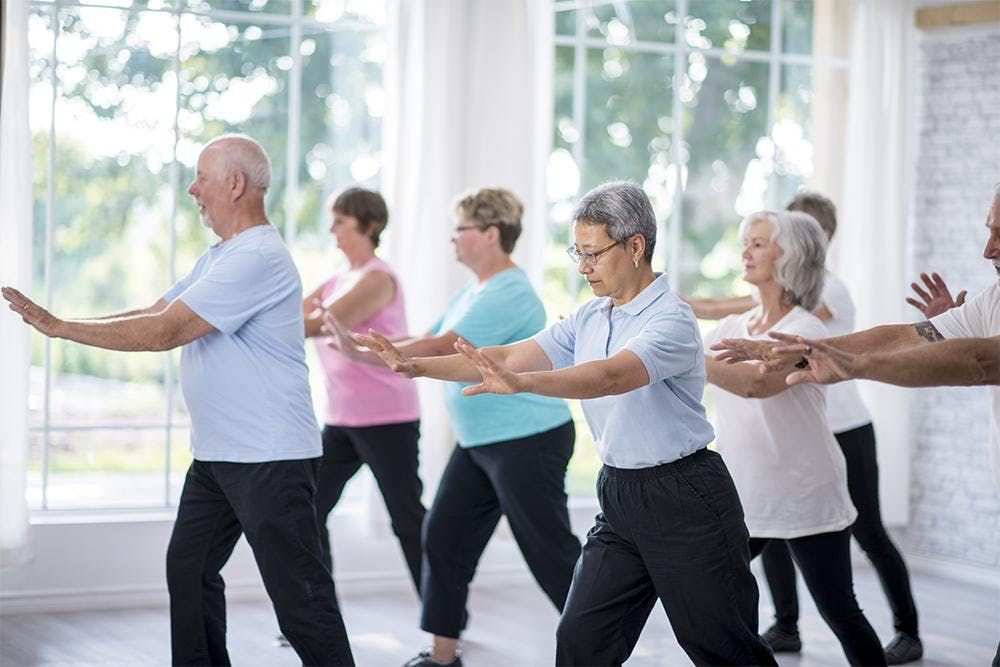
903 649
782 641
423 659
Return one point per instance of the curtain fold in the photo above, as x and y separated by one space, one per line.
875 210
469 87
15 269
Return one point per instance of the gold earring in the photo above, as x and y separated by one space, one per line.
636 262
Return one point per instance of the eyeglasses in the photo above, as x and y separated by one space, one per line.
588 258
461 228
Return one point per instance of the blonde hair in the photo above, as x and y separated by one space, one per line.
493 207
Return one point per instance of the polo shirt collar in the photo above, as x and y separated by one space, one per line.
646 297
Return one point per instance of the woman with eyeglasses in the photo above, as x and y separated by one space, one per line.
671 525
512 451
786 464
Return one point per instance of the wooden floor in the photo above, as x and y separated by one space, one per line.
510 624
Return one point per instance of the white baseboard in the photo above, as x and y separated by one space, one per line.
111 598
988 577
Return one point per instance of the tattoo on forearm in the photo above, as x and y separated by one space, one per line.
928 331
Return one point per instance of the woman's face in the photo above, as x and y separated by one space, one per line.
470 242
760 253
604 273
345 230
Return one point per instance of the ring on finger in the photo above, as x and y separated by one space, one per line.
808 350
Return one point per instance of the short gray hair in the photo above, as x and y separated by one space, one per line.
624 209
801 268
243 154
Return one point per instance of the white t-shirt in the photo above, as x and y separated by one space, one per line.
785 462
844 408
978 317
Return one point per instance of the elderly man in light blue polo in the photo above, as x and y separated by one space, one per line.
671 526
254 436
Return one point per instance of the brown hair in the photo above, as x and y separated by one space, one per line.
817 206
367 207
494 207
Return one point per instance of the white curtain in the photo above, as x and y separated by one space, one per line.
469 85
15 269
875 210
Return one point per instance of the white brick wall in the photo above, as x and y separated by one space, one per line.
955 505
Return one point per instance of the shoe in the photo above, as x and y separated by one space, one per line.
902 649
423 659
782 641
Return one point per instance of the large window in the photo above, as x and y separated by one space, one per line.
708 104
123 95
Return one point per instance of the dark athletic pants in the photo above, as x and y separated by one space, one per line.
522 479
825 562
272 504
858 446
390 451
673 532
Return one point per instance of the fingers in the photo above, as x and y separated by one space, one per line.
475 390
940 285
916 304
932 283
961 298
785 338
798 377
920 292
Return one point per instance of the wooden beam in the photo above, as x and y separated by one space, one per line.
966 13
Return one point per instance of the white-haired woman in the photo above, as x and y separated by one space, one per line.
787 467
671 527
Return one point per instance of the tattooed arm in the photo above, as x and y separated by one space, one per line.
887 338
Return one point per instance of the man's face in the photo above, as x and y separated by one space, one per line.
992 250
208 187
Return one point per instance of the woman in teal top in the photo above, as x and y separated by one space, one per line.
512 451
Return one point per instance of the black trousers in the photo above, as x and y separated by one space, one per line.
521 479
858 446
674 532
825 562
390 451
272 504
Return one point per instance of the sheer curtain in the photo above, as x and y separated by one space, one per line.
875 210
469 88
15 269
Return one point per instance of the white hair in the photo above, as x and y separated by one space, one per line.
243 154
802 266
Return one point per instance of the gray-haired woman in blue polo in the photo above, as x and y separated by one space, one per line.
671 524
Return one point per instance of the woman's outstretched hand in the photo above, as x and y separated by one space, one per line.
388 353
496 378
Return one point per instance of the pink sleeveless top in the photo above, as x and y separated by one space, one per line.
361 394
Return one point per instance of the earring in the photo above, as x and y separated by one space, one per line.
636 262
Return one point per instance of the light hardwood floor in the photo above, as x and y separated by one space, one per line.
510 624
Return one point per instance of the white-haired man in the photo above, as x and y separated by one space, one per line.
254 436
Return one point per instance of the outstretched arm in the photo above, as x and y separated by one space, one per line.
371 294
618 374
745 379
171 327
955 362
717 308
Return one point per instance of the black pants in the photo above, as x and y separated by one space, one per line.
673 532
825 562
390 451
858 446
522 479
272 503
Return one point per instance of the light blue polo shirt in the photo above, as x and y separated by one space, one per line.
504 309
662 421
246 384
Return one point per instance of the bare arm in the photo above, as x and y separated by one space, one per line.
744 380
959 361
371 294
155 308
523 356
716 309
171 327
621 373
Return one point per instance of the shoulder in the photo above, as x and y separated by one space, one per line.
803 323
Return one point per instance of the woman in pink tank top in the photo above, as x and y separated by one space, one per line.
373 416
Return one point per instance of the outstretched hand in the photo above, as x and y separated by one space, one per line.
496 378
937 299
827 365
340 338
388 353
29 311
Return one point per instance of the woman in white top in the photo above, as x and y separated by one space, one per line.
851 424
787 467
